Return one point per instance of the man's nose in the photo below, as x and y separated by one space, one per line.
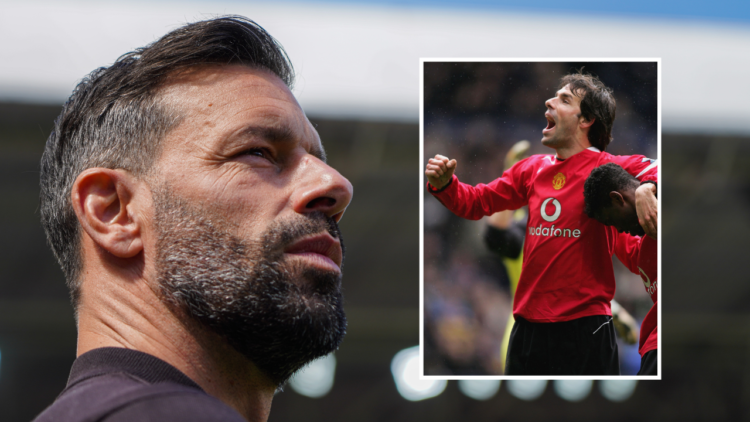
548 103
321 188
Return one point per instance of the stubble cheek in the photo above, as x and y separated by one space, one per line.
242 206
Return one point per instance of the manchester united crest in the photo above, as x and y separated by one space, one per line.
558 181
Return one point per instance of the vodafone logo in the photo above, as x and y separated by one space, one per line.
556 214
545 231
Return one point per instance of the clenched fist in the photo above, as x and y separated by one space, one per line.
440 171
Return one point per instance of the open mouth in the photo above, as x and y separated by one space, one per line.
550 122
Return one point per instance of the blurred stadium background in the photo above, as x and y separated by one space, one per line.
358 66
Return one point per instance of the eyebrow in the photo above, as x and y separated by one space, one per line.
565 95
283 133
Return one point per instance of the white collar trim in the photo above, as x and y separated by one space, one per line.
595 149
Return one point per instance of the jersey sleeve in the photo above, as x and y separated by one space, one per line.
627 249
509 192
643 168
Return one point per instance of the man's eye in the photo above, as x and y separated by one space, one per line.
258 152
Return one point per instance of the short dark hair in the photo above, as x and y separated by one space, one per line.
116 119
597 102
603 180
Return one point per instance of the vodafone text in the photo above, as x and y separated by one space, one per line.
553 232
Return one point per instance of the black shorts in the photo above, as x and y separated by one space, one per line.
648 363
583 346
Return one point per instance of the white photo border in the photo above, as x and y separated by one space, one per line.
422 185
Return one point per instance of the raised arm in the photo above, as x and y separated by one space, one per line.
474 202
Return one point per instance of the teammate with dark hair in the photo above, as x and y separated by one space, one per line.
562 304
609 193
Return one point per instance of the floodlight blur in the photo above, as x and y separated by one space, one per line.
573 390
526 389
405 368
617 390
316 379
479 389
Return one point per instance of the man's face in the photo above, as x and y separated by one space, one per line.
623 217
246 213
563 118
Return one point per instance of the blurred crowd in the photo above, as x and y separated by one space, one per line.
474 112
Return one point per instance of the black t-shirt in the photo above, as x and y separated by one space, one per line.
118 385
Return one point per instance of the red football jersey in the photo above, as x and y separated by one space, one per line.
567 256
639 255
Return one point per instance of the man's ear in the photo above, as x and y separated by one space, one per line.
617 198
585 124
103 201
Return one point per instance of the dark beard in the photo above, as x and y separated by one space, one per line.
280 316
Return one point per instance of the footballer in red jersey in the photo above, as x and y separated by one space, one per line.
609 193
567 281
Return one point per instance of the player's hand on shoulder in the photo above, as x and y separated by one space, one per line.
440 171
646 207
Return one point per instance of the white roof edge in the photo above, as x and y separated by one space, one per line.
362 61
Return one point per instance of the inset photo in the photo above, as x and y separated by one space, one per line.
540 218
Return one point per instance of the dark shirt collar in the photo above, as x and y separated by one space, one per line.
110 360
